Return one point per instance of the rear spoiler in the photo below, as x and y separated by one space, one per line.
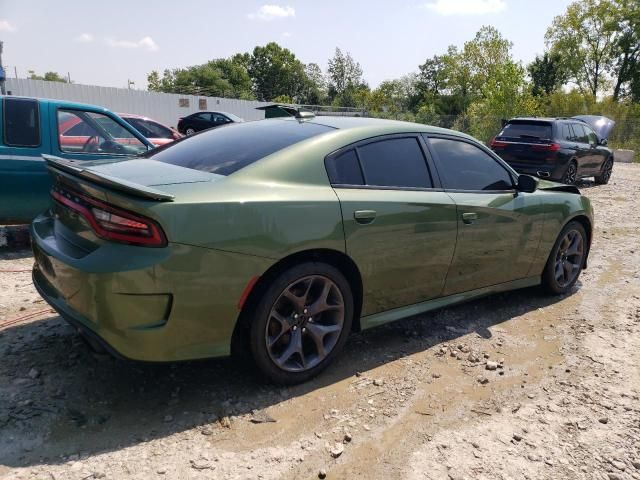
75 168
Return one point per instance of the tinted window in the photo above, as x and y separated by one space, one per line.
21 122
593 138
526 129
150 129
227 149
345 169
463 166
397 162
580 133
217 118
204 116
565 132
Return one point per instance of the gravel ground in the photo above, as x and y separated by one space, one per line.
518 385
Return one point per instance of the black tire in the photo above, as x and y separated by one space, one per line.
570 174
266 312
550 281
605 174
189 131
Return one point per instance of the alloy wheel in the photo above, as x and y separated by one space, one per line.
606 172
569 258
570 175
305 323
190 131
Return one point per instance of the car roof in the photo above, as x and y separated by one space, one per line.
390 126
60 103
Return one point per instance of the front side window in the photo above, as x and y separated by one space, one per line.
21 122
580 133
80 131
591 136
463 166
219 119
150 129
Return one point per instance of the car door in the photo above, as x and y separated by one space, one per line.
24 180
583 149
399 226
498 227
597 154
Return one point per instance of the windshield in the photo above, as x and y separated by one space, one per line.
527 130
233 117
227 149
149 128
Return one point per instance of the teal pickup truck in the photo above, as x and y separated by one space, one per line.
31 127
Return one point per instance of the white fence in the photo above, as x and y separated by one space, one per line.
164 107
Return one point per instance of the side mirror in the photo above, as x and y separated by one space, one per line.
603 142
527 183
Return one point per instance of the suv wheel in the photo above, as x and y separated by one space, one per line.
301 323
571 174
605 174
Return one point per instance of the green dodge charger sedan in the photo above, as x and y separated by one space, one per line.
277 238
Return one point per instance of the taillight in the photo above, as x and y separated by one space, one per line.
550 147
497 144
113 223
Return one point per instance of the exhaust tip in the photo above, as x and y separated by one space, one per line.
544 174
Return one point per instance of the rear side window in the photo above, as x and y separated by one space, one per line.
397 162
227 149
580 133
345 169
565 132
534 130
463 166
21 122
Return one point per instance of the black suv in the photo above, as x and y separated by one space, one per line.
199 121
560 149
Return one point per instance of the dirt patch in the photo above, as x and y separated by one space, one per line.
518 385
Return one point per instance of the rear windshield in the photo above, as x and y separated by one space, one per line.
526 130
229 148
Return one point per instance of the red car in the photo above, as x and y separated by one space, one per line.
156 132
78 134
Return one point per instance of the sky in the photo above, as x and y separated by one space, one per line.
110 43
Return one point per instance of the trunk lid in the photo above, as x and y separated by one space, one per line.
138 177
600 124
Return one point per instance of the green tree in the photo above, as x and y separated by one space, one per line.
316 86
48 76
547 73
586 36
626 66
275 71
224 77
344 75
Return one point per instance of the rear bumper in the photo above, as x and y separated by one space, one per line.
542 170
147 304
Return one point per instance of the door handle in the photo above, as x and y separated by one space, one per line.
469 218
364 217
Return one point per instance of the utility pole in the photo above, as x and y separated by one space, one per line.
3 90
